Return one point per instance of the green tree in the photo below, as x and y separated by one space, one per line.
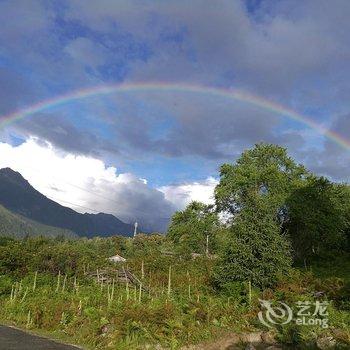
319 217
189 228
255 250
265 172
346 195
254 191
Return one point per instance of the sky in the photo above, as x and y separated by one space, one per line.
141 155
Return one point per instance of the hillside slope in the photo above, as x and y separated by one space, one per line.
14 225
18 196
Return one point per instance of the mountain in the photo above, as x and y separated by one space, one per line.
15 225
19 197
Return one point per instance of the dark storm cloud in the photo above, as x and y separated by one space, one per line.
296 53
293 52
283 45
285 51
179 125
65 135
334 160
136 201
12 85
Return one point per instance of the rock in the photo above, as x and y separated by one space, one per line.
325 343
227 343
231 341
340 335
254 337
250 347
159 347
268 337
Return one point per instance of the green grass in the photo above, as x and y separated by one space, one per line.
338 266
186 311
173 319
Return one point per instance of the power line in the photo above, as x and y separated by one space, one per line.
74 204
70 184
85 190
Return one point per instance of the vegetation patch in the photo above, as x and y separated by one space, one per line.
275 243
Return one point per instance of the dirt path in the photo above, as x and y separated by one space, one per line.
14 339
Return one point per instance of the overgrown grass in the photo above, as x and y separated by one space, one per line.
334 266
103 316
43 287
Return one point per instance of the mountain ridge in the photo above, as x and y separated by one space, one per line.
20 197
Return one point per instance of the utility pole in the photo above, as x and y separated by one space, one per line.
207 246
135 229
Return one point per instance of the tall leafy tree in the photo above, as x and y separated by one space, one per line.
189 228
265 172
254 190
319 217
255 250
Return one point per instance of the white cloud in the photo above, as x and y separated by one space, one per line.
86 184
183 194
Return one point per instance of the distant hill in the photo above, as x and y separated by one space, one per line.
14 225
19 197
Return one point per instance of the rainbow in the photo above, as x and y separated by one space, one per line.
233 94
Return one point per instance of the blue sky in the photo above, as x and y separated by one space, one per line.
296 53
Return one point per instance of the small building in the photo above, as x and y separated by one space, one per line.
116 259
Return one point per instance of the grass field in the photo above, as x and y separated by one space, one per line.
50 291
